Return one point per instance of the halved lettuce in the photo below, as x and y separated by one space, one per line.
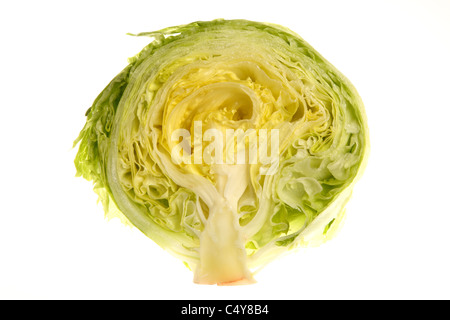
263 87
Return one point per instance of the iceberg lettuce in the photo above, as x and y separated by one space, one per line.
228 143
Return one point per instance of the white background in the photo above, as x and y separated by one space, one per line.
56 56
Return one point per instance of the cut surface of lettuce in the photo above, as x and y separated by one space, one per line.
199 84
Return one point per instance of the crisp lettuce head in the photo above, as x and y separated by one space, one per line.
228 143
